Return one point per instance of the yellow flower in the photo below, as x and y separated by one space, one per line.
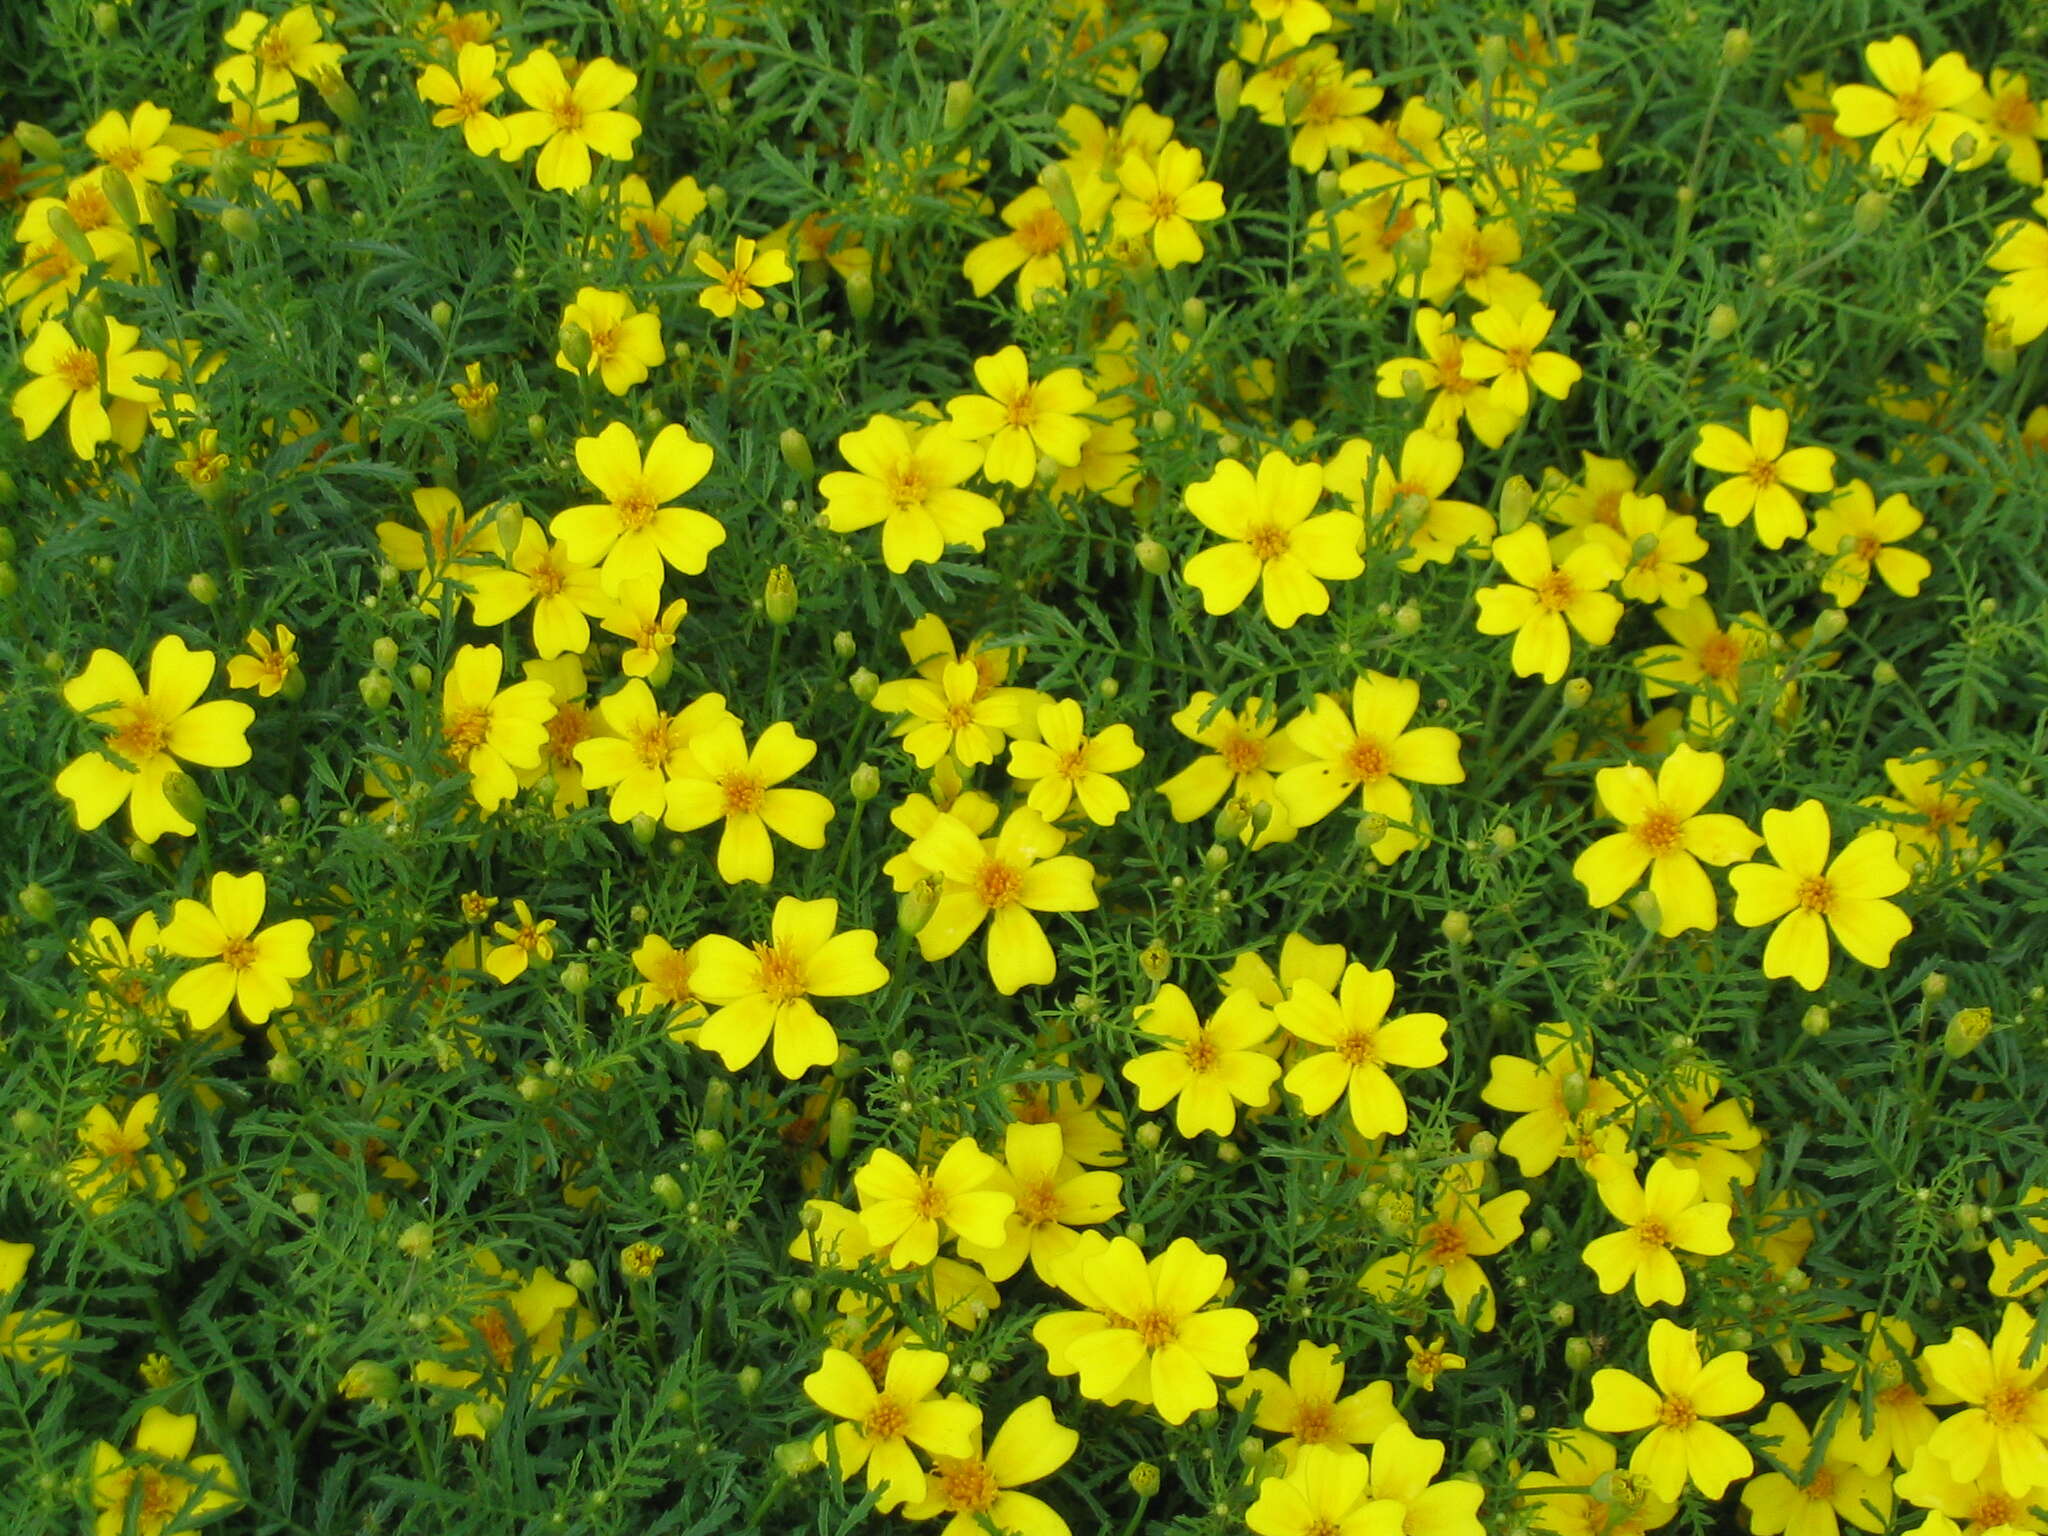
1764 474
525 942
149 733
1900 1421
34 1339
1564 1501
648 748
569 121
1403 1466
1326 1492
463 95
978 1487
1932 811
1454 369
251 966
1479 258
2001 1435
766 991
124 1008
1447 1243
1682 1445
1515 329
2015 122
1021 420
1408 507
518 1327
573 723
268 55
117 1158
625 346
1654 547
1164 200
957 714
104 400
160 1484
1004 880
1544 597
1149 1334
1427 1362
1275 544
908 481
270 667
1039 243
1548 1096
1856 535
656 228
135 145
1717 666
903 1208
1308 1407
563 590
639 615
885 1419
1816 1504
1360 1043
635 531
1666 832
752 269
1663 1212
1065 765
1247 750
489 731
1370 750
443 552
667 986
637 1261
1053 1196
1919 112
1204 1070
1808 897
719 777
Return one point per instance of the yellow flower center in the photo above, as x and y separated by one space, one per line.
548 577
782 975
1022 409
1915 110
1071 765
1555 591
967 1488
1993 1509
1313 1423
238 954
1322 1525
997 885
1815 895
569 725
1721 658
1038 1203
142 737
604 341
1652 1233
89 208
1677 1413
736 282
274 48
930 1201
907 486
1366 760
1042 233
2015 114
636 508
464 730
651 743
1762 474
743 793
127 159
1242 754
1473 257
1660 832
466 105
79 370
1201 1054
886 1420
1155 1329
2007 1405
567 113
161 1495
671 979
1164 205
1868 548
1822 1488
1266 541
1358 1047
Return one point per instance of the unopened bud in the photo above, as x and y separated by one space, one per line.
1816 1021
1229 90
643 829
37 902
416 1241
860 293
182 792
1407 619
1156 961
384 652
375 687
958 106
1870 212
796 451
38 141
1736 47
121 196
1934 986
710 1142
1966 1031
793 1458
1144 1479
864 683
1963 149
1493 57
573 342
1578 1354
915 906
1368 831
778 597
1457 929
1721 322
1153 558
839 1130
369 1381
1647 909
864 783
239 223
575 978
580 1273
1413 389
668 1191
1517 496
1577 693
1562 1314
1829 625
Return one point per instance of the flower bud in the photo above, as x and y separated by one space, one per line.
375 687
1577 694
915 906
580 1273
1966 1031
1870 212
1229 90
573 343
1369 829
1721 322
575 978
384 653
839 1130
793 1458
1233 820
37 902
239 223
668 1191
643 829
710 1142
1578 1353
1144 1479
748 1381
1517 496
1215 858
1884 674
958 105
1736 47
864 683
1407 619
860 293
369 1380
1816 1021
1963 150
864 783
339 95
121 195
796 452
1829 625
1153 557
183 794
1413 389
1148 1138
778 598
38 141
203 588
1156 961
1934 986
843 645
1457 929
1562 1314
1647 909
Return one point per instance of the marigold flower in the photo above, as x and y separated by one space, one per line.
1004 879
526 940
647 749
908 481
489 731
1917 112
1408 500
463 96
1022 420
1369 749
168 1488
982 1486
2015 122
564 592
1808 897
135 145
1682 1445
634 530
1447 1243
1308 1406
1275 545
1932 803
765 991
903 1208
569 121
442 552
1325 1493
885 1420
100 403
1856 535
667 986
1149 1333
1066 765
1814 1505
625 346
1053 1196
1564 1502
270 666
1654 548
1663 1212
251 968
515 1322
1765 474
1163 201
1204 1070
1900 1421
1038 245
720 777
1548 1096
1479 258
1716 665
117 1158
1247 751
2001 1435
752 270
958 714
149 732
1545 595
1403 1468
1360 1042
1666 832
1451 368
1428 1362
270 57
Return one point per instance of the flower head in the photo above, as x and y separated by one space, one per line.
1205 1069
1359 1043
764 992
1274 543
568 121
1683 1445
1666 832
1002 880
1809 897
251 965
908 479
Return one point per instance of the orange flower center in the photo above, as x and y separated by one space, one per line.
79 370
1201 1054
567 113
1443 1244
497 1337
127 159
1266 541
1915 110
1155 1329
238 954
1994 1509
1762 474
907 486
89 208
2007 1405
886 1420
1072 765
1660 832
464 730
1555 591
930 1202
1822 1488
1721 658
743 793
274 48
671 979
1358 1047
1677 1413
782 975
1652 1233
1042 233
1242 754
1366 760
967 1488
1022 409
1868 548
1313 1423
1815 895
548 577
2016 115
142 737
997 885
651 743
161 1495
1038 1204
569 725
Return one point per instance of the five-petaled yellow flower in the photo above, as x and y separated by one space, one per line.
1003 880
720 777
765 991
463 96
884 1420
1542 595
907 478
1917 109
1683 1445
1018 420
160 1480
634 530
568 121
1808 897
1274 543
250 965
1359 1042
741 283
1163 200
1666 831
1205 1070
1371 750
1665 1211
1765 474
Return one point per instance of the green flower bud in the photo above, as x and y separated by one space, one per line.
121 195
1369 829
573 342
238 223
443 315
1647 910
1829 625
1407 619
864 683
384 653
375 687
1153 557
1577 694
710 1142
369 1380
843 645
1736 46
668 1191
37 902
580 1273
958 105
793 1458
38 141
1156 961
796 452
915 906
183 795
1967 1030
1816 1021
864 783
1721 322
1229 90
1870 212
839 1130
748 1380
778 599
1457 929
575 978
1578 1355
